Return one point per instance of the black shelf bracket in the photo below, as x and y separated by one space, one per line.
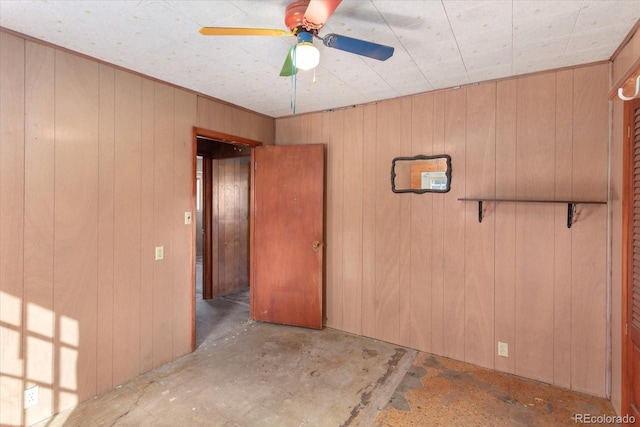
571 211
571 205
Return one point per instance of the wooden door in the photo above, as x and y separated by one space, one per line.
631 295
287 226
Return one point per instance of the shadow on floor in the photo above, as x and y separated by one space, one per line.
218 316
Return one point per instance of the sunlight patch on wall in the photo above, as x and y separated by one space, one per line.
11 367
69 331
68 362
10 336
68 378
10 309
34 352
39 320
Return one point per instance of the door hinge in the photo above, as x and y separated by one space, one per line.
628 131
626 329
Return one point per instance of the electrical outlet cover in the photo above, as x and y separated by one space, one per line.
31 397
503 349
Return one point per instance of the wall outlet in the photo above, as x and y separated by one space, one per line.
503 349
187 218
159 253
31 397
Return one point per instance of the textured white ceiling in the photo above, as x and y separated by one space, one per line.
438 43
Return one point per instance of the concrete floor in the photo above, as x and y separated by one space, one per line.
245 373
249 374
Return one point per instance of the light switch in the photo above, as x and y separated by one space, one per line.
159 252
187 218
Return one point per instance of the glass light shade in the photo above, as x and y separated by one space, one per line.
306 56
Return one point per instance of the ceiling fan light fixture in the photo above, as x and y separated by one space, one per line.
306 56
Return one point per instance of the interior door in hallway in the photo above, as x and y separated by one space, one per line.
287 226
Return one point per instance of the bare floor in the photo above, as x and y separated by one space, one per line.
437 391
249 374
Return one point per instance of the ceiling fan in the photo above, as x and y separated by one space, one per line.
305 18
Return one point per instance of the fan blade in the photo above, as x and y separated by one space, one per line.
360 47
288 69
230 31
319 11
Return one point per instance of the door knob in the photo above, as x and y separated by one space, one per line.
316 244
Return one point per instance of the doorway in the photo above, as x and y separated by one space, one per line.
223 218
221 226
282 246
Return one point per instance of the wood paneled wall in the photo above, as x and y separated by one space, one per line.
96 169
420 271
230 230
227 119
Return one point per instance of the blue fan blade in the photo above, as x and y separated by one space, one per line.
359 47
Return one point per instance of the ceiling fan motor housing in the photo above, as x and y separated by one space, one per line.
295 13
295 20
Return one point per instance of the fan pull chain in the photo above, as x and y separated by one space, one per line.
294 84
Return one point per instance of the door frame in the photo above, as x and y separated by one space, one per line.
207 268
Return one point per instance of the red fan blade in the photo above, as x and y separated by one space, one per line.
319 11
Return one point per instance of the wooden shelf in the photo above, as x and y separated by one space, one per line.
571 204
